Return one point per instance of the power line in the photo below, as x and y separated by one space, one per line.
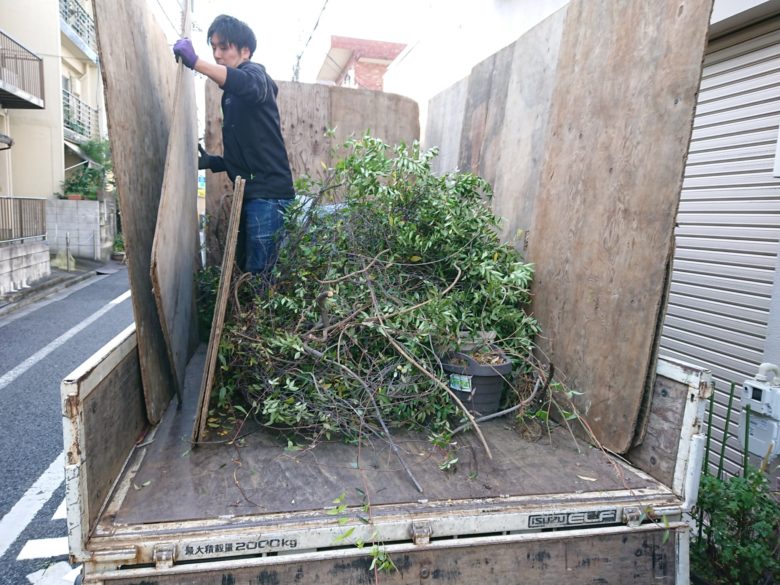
297 66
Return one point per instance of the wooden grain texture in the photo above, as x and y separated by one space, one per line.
218 320
475 115
657 455
114 421
391 117
601 236
139 76
522 136
444 124
306 111
491 151
210 482
219 188
174 260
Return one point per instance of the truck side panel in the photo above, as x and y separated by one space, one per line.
614 556
104 416
675 418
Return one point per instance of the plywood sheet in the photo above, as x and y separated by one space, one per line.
620 123
218 320
269 478
174 259
391 117
657 455
491 152
113 423
304 111
523 136
139 75
218 185
444 124
475 115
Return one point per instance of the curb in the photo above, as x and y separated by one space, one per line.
22 299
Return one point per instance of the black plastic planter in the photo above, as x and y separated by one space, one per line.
479 386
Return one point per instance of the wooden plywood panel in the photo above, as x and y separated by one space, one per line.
218 320
174 259
210 483
113 422
475 115
444 124
525 119
491 149
304 111
139 80
218 185
393 118
657 455
601 237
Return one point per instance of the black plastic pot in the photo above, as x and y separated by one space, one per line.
479 386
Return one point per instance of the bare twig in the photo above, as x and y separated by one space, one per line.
425 372
370 394
353 274
418 305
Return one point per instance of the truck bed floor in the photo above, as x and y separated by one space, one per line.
169 480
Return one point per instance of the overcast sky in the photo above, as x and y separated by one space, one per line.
283 28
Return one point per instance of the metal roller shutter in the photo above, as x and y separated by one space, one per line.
729 222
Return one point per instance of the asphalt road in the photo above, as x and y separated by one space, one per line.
39 346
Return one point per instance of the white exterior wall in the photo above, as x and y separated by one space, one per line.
37 158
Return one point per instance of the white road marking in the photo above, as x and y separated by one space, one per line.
60 514
18 517
56 574
9 377
44 548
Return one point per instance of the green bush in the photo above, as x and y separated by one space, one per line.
384 266
740 538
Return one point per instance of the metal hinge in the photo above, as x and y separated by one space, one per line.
632 516
120 555
164 555
421 532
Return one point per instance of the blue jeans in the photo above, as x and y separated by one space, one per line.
263 230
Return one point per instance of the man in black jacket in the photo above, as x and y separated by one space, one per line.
253 146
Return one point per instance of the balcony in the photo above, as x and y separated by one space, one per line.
79 26
21 76
79 118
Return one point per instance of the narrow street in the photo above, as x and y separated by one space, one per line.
40 344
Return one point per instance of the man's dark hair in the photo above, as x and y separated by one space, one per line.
232 31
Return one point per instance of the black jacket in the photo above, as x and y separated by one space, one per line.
253 147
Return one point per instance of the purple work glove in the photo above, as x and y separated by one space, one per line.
184 51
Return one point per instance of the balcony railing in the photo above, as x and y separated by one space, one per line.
79 117
22 218
21 75
73 13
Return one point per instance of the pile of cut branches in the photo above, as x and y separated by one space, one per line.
384 268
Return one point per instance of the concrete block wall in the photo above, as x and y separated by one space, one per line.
85 227
22 264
